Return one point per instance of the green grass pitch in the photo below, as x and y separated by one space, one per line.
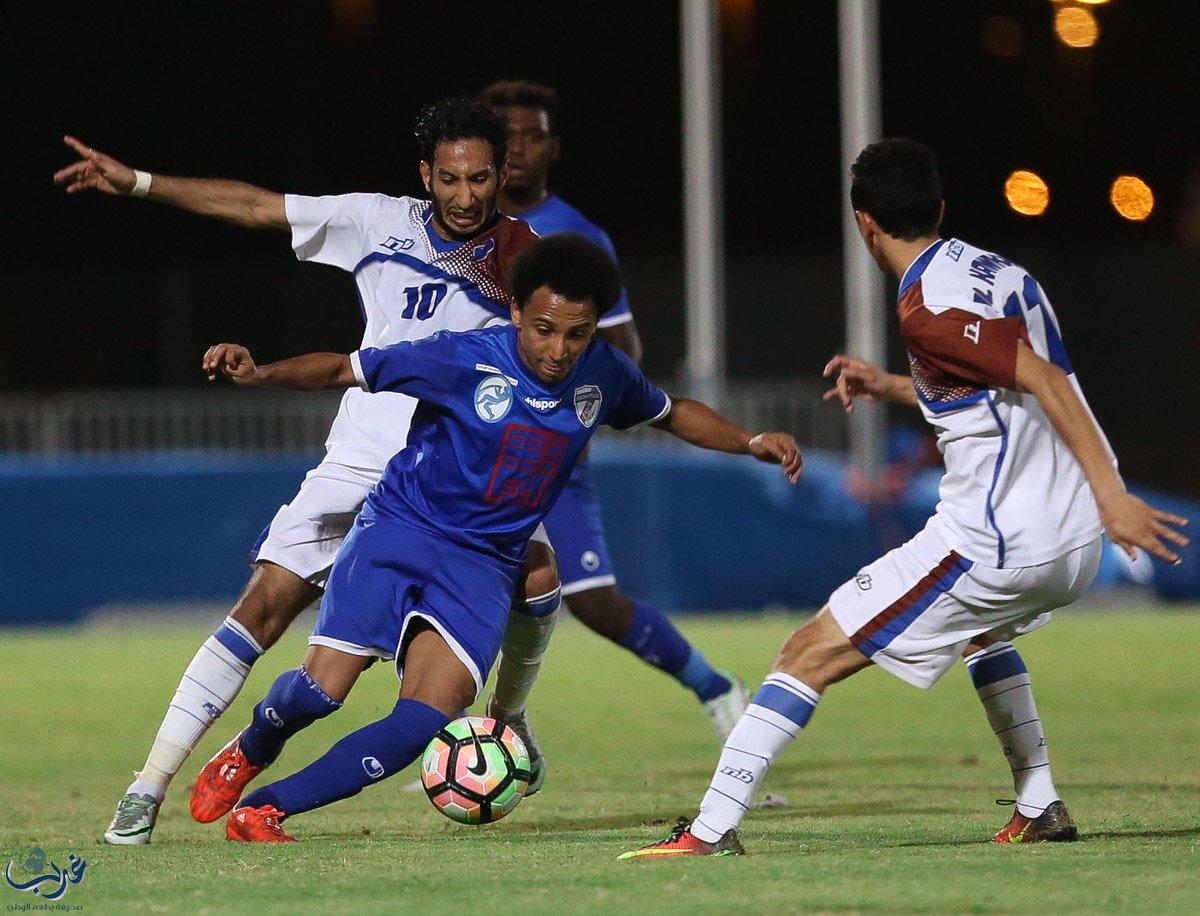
891 789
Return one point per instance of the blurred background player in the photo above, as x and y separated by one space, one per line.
504 412
420 267
1030 485
589 584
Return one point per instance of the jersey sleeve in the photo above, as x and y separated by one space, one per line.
620 312
637 401
965 345
333 229
426 369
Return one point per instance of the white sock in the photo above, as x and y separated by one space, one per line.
528 633
776 715
1006 691
211 682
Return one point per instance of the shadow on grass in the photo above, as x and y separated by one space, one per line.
1083 837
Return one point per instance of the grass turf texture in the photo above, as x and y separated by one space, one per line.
891 789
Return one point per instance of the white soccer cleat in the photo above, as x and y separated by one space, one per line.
133 821
725 710
519 723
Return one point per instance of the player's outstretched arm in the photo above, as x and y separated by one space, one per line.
857 378
700 425
311 372
1129 522
232 201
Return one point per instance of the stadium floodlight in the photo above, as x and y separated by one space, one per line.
866 314
703 207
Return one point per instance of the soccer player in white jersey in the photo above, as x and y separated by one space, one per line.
420 267
1030 485
589 582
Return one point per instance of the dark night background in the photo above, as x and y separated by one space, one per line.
318 97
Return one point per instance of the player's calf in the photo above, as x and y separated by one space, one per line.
294 702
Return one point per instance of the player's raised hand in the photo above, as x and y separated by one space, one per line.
1131 523
781 449
94 172
232 361
856 378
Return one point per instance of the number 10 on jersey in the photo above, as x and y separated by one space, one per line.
421 302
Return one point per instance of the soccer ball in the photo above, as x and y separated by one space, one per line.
475 770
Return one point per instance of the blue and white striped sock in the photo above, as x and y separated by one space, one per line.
1006 691
776 715
211 682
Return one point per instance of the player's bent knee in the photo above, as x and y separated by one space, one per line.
433 674
273 598
819 654
541 571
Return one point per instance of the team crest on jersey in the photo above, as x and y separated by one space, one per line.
483 249
587 404
493 399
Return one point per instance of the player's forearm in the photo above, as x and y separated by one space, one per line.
232 201
1073 421
901 390
311 372
700 425
624 337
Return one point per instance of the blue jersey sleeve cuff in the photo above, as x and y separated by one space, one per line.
662 413
356 365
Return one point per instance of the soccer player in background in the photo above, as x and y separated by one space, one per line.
427 573
1030 485
420 266
589 585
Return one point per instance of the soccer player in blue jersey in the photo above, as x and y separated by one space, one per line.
427 573
589 584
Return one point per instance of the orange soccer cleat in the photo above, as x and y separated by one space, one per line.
682 842
1054 825
220 783
257 825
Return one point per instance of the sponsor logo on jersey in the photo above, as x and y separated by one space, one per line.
590 560
395 244
372 767
971 332
587 404
543 403
483 249
493 399
484 367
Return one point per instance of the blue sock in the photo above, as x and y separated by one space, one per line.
653 638
372 753
295 701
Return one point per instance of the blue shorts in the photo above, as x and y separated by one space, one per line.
577 536
389 572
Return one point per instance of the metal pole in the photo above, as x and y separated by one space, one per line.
862 122
704 232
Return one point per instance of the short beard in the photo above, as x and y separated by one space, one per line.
488 217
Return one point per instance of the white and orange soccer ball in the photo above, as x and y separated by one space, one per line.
475 770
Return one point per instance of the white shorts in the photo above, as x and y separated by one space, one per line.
306 534
916 608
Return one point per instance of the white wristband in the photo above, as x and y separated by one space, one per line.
141 183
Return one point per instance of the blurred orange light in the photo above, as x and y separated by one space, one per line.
1027 193
1076 27
1131 197
1093 2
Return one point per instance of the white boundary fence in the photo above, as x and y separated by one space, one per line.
255 421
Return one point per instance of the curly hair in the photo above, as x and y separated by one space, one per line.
571 265
896 181
524 94
461 118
